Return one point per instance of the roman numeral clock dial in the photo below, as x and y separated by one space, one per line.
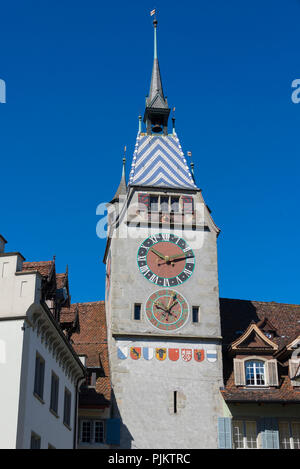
166 260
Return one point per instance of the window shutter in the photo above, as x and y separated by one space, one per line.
67 407
39 376
144 202
36 376
269 433
224 433
293 369
188 205
113 427
239 372
271 372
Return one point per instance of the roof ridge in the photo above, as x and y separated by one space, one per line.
38 262
88 302
259 301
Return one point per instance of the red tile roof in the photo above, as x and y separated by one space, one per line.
236 315
92 342
61 280
43 267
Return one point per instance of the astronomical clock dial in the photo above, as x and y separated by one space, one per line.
167 310
166 260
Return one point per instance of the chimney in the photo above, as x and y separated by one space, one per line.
2 244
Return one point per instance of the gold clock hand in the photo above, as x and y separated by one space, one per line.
171 306
178 255
172 298
158 253
160 306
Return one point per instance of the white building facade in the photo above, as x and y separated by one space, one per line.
40 372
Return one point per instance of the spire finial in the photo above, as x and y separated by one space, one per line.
157 110
124 157
189 153
153 13
140 124
173 120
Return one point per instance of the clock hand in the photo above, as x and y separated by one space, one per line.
175 258
159 254
177 255
172 298
179 259
169 309
160 306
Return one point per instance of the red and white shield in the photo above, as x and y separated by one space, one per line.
186 354
173 354
199 355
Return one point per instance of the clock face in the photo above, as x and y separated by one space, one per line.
166 260
167 310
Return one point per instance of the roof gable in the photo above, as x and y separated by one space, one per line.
253 338
295 344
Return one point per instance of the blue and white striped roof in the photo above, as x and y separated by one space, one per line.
158 161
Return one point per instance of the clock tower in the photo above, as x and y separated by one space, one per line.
162 296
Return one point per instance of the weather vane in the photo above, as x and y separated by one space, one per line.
153 13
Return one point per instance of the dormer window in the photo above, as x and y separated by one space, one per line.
269 334
255 373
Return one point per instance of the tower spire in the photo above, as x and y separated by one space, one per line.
157 110
122 189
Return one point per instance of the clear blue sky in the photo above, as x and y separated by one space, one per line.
77 74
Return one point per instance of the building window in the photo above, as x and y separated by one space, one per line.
289 435
67 408
99 431
35 441
54 393
137 312
91 378
284 435
245 434
154 203
164 204
92 431
255 373
296 434
175 207
195 312
86 431
39 376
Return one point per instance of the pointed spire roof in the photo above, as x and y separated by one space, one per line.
122 189
156 96
157 110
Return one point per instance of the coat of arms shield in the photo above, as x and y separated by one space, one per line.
173 354
161 353
186 354
211 355
135 353
199 355
122 353
148 353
